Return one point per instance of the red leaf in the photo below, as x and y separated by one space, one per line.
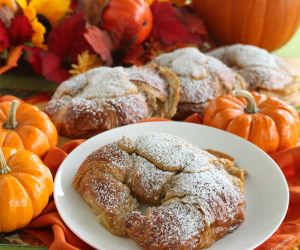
47 64
193 22
66 40
35 59
100 42
51 67
20 30
4 39
167 26
177 26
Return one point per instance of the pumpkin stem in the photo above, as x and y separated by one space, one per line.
4 168
11 122
251 103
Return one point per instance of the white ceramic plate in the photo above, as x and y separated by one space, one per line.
266 188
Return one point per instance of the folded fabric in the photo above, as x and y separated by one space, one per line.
50 229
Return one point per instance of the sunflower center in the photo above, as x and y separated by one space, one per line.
43 20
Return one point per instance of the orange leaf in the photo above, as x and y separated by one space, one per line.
12 60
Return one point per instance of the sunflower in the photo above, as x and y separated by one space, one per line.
86 61
43 15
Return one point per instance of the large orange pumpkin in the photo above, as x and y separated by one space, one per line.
25 187
129 20
268 122
267 23
24 126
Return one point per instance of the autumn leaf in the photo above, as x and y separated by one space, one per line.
20 30
52 69
67 39
12 59
173 25
65 43
167 27
34 58
4 38
100 42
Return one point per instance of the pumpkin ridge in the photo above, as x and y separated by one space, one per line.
2 118
38 148
6 141
3 133
230 129
11 188
42 123
38 169
14 163
223 112
37 208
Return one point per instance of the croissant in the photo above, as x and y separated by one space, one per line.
201 77
193 197
264 72
105 98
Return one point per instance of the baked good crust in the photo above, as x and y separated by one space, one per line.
198 197
104 98
202 78
264 72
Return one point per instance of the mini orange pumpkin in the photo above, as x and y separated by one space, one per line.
26 185
24 126
268 122
130 19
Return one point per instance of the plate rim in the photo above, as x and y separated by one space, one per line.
59 172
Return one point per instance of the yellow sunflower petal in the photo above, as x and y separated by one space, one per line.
38 29
22 3
52 10
30 13
86 61
38 35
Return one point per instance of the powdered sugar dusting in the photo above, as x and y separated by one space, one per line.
149 76
111 153
108 83
256 65
213 189
147 181
169 152
106 193
173 225
201 77
131 108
